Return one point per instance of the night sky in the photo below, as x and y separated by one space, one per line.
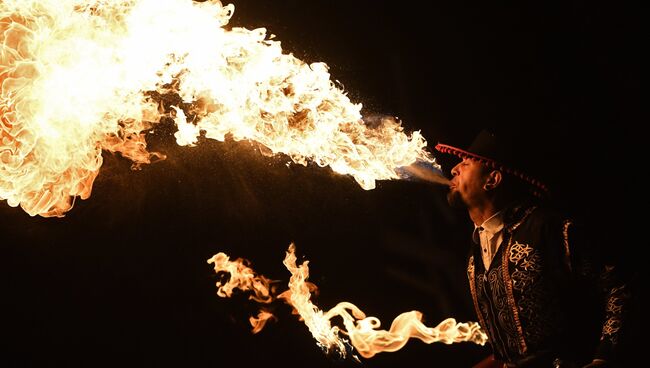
122 279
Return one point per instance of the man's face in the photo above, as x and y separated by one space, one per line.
466 188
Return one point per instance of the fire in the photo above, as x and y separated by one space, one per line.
363 331
241 277
80 77
299 297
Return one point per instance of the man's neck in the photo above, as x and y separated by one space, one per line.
479 214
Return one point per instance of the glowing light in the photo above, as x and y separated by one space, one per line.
363 331
78 78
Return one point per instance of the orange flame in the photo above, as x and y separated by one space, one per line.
241 277
363 331
78 78
259 322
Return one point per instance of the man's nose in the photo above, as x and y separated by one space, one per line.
454 170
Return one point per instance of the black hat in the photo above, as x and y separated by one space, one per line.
498 153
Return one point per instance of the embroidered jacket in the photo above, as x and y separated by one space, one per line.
537 301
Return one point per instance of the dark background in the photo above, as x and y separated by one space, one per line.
122 280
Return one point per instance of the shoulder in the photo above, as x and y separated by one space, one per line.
539 225
537 216
546 213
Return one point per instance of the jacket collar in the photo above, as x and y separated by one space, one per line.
516 214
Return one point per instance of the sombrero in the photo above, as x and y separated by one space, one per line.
495 152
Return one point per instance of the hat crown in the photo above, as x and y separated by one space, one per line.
488 145
502 151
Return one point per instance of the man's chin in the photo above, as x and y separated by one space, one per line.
454 199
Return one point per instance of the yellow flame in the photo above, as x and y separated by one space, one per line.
299 297
363 331
369 341
78 77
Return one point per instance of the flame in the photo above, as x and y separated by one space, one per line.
299 297
241 277
259 322
80 77
363 331
369 341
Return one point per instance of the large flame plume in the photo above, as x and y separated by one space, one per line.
82 76
362 331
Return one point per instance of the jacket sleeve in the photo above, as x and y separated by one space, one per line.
588 264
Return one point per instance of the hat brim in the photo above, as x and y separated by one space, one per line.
539 188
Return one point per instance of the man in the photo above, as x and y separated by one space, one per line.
541 293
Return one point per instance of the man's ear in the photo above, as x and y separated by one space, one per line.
493 180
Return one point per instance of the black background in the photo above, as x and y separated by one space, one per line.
122 280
